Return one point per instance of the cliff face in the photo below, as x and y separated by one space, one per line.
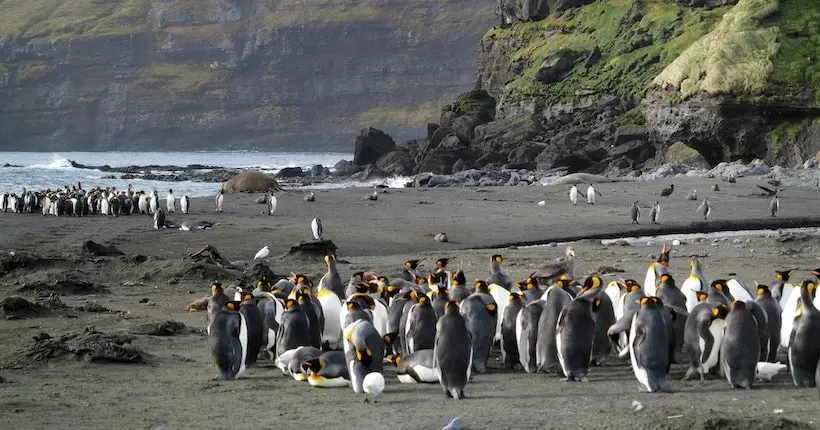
248 74
611 84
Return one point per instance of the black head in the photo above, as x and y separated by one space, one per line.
459 278
232 306
720 311
783 275
411 264
719 284
482 287
442 262
496 259
763 291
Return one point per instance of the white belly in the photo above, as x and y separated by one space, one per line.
738 292
691 298
649 283
322 382
243 340
716 329
640 373
787 318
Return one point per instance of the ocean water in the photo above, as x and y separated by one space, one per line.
41 170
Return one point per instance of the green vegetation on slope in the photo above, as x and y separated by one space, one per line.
735 58
797 63
637 40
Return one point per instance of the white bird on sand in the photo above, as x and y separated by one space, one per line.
542 203
262 253
767 371
774 206
316 227
705 209
573 195
373 383
591 195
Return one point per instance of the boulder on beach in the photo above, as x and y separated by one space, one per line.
371 144
251 182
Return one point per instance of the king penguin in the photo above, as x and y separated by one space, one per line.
478 316
509 342
497 274
294 331
649 346
804 347
453 352
364 350
771 307
553 301
604 316
575 332
216 302
184 204
328 370
420 329
331 309
740 349
228 341
782 288
526 334
703 337
331 279
253 319
417 367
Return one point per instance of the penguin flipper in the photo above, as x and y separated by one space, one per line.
708 340
622 324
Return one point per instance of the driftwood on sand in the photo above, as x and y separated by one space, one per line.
211 255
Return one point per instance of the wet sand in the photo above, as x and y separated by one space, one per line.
175 386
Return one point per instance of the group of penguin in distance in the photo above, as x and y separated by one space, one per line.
439 329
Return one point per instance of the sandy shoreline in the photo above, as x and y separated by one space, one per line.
175 387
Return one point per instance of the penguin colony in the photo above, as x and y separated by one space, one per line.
438 328
75 201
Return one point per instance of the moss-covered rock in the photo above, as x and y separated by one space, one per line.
679 153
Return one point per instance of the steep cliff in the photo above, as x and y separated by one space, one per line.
607 85
248 74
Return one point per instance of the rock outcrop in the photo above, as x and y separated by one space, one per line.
250 74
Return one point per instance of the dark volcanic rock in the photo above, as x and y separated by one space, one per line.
371 144
511 138
399 163
440 159
556 65
314 248
89 345
289 172
464 127
477 104
256 271
16 307
533 10
345 168
163 328
96 249
64 287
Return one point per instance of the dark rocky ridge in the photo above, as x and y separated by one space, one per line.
290 75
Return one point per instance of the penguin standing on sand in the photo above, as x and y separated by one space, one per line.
573 195
648 344
527 334
497 274
782 287
316 228
272 202
364 350
228 341
635 213
804 347
604 316
774 206
170 202
705 209
453 352
159 219
420 328
253 319
478 316
740 349
703 337
591 195
553 302
331 279
331 310
294 330
220 197
184 204
773 312
655 213
216 302
509 342
575 332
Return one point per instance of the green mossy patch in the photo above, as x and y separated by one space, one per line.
788 129
637 40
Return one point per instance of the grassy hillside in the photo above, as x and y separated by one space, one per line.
745 50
